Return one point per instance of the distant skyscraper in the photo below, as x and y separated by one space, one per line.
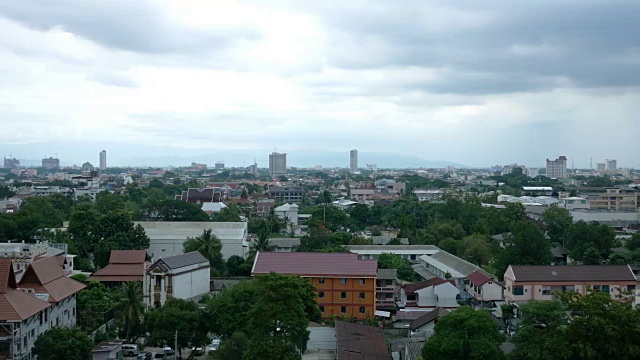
11 163
277 164
557 169
612 164
220 165
50 163
103 160
353 163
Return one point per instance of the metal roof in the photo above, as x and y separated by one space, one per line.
579 273
314 264
182 260
360 342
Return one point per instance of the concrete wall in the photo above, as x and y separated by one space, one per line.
191 284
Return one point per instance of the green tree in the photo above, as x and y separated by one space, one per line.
464 334
237 266
619 259
232 348
210 246
130 307
63 343
541 335
582 235
394 261
475 249
450 245
174 210
228 214
525 246
558 221
591 256
183 316
92 304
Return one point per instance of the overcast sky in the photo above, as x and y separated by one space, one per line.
473 82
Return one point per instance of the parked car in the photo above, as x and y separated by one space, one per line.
197 350
129 349
160 355
215 343
167 350
144 355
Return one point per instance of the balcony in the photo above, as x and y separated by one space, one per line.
386 302
386 289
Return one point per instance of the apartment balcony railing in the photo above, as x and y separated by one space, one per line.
390 289
386 302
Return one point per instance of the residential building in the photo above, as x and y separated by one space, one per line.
277 164
124 266
23 317
432 293
103 160
11 163
409 252
360 342
345 284
51 163
287 194
541 282
288 213
167 237
108 350
387 289
557 169
182 276
612 164
532 172
429 195
483 287
419 323
619 199
446 265
283 244
24 255
575 203
201 195
362 195
353 161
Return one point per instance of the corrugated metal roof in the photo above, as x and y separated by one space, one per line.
360 342
316 263
387 274
580 273
182 260
459 265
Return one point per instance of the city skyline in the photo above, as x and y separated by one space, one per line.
500 82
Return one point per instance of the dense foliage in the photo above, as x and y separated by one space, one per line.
63 343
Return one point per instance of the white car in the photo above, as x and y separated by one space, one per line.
167 350
215 343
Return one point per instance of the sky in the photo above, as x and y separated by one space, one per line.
472 82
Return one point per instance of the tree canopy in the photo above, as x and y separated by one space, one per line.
63 343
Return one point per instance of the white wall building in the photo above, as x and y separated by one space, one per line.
573 203
432 293
167 237
557 169
182 276
288 212
353 161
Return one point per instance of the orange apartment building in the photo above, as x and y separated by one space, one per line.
345 284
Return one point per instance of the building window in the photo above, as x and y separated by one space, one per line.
411 297
605 289
362 310
518 290
362 295
343 309
321 294
568 288
33 332
320 280
363 281
343 295
631 288
546 290
321 308
158 281
343 281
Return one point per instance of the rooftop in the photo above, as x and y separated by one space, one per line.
387 274
16 305
314 264
581 273
360 342
450 263
182 260
411 288
477 278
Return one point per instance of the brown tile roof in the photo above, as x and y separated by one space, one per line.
360 342
411 288
127 256
46 276
580 273
119 272
315 263
16 305
429 317
478 278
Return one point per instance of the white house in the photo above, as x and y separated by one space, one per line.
432 293
289 213
442 263
182 276
483 287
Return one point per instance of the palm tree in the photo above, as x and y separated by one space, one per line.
261 244
130 306
207 244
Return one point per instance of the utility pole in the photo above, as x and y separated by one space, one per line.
175 348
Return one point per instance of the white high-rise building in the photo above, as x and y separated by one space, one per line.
103 160
612 165
353 163
557 169
277 164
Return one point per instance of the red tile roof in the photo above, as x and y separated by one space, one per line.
119 272
127 256
478 278
46 276
411 288
16 305
314 264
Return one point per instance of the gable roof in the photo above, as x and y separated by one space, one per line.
182 260
428 317
360 342
46 276
314 264
411 288
127 256
16 305
454 265
478 278
581 273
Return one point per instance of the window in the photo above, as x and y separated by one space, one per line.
343 281
33 332
362 295
343 295
320 280
363 281
321 308
631 288
568 288
158 281
411 297
518 290
343 309
362 310
321 294
596 287
546 290
605 289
